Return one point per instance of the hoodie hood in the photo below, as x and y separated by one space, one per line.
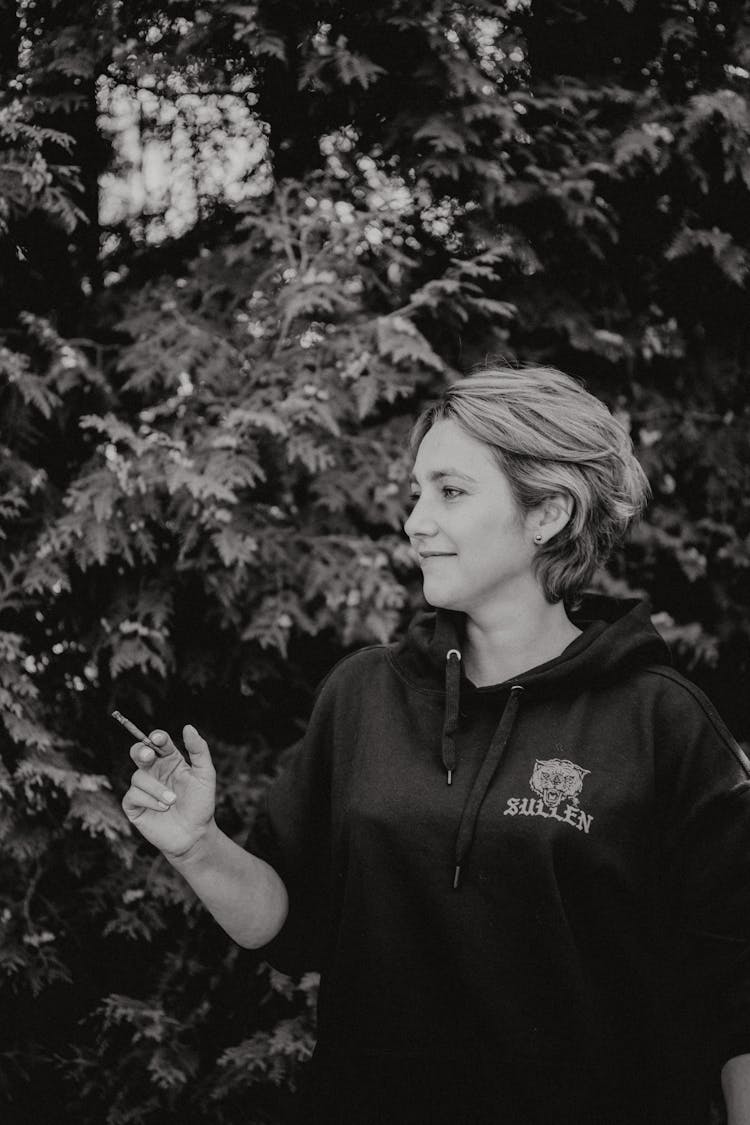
617 636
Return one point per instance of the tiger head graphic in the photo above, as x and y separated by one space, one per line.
557 780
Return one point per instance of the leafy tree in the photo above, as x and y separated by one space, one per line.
204 411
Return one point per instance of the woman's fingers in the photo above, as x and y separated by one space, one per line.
147 783
142 755
163 743
197 748
161 765
137 801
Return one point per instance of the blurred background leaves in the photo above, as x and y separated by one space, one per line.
241 245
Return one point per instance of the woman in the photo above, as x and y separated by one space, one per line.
516 844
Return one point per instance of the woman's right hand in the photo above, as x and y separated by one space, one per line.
169 801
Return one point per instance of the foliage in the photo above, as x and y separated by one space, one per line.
205 405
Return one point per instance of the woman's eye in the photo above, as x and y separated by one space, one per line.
451 493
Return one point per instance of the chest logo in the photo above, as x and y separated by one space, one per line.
557 783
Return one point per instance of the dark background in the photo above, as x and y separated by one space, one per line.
240 246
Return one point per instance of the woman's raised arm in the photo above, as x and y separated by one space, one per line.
171 802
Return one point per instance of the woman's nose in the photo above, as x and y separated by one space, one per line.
419 521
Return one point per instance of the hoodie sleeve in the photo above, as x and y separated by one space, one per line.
703 788
292 832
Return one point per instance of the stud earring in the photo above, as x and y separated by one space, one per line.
538 537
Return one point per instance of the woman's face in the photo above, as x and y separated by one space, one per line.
474 545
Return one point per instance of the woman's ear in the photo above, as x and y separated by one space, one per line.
552 515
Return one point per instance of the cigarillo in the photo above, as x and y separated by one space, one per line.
134 730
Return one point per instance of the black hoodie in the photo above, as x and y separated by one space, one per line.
528 902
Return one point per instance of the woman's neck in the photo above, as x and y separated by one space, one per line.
511 640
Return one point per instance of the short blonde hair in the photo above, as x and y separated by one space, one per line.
549 435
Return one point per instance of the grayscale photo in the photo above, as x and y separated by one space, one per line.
375 562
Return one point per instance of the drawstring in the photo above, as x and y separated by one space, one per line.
452 699
483 780
488 768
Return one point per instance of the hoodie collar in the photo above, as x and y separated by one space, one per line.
616 636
